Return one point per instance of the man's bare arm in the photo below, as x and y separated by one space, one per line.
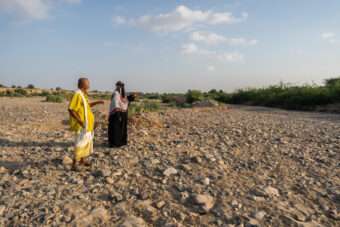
76 116
96 103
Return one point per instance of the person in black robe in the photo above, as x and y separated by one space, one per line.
118 116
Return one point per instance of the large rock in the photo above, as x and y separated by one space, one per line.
67 160
204 202
170 171
205 103
98 216
133 221
271 191
145 208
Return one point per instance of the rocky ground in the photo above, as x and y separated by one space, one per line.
243 166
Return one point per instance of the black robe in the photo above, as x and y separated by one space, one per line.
118 127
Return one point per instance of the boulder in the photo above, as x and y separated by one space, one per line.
205 103
204 202
133 221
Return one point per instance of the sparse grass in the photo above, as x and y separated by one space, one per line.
144 106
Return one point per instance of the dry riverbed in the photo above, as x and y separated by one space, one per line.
244 166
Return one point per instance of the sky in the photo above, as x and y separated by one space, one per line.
169 45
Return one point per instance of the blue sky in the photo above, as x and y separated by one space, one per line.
169 45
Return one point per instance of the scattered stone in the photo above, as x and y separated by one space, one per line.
160 204
204 201
272 192
190 167
197 159
2 210
206 181
133 221
260 215
3 169
67 160
109 180
148 212
170 171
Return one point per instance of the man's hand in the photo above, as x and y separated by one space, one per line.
76 116
96 103
81 124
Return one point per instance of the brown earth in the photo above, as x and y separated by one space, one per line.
244 166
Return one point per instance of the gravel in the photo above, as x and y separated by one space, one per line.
219 166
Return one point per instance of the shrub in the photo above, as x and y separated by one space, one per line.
194 96
30 86
21 92
134 108
332 82
151 106
152 96
54 98
44 93
58 88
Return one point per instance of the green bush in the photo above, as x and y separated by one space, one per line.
21 92
151 106
30 86
152 96
332 82
54 98
305 97
134 108
194 96
143 106
44 93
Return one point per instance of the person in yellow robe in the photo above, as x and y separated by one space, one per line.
82 122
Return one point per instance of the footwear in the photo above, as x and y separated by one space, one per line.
85 163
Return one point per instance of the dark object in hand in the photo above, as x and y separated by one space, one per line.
131 97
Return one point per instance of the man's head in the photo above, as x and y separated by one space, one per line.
83 83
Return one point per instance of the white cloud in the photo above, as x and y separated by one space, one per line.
189 48
32 9
193 49
330 37
184 18
118 20
73 1
211 68
215 39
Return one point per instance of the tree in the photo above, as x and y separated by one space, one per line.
194 96
30 86
332 82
